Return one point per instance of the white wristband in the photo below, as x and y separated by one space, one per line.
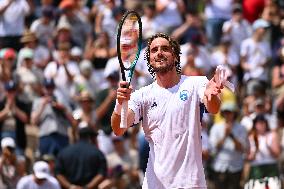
117 108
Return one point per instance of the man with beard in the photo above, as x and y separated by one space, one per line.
170 109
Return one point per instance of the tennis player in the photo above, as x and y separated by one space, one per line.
170 110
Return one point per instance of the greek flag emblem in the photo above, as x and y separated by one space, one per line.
183 95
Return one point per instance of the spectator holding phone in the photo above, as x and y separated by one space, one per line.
51 114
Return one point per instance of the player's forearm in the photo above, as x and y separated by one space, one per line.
115 124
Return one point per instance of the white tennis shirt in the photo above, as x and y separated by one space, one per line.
171 122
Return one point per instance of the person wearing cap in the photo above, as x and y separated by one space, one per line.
8 61
62 35
76 54
41 53
81 165
40 179
255 54
229 145
12 166
52 114
237 28
30 77
14 114
80 27
44 26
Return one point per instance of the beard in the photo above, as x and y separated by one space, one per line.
164 68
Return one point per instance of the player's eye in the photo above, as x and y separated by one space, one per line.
165 48
154 49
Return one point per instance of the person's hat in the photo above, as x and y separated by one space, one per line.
237 8
85 65
86 96
260 23
259 102
9 53
48 83
76 51
66 4
28 36
10 85
8 142
41 170
47 11
63 25
229 106
2 51
26 53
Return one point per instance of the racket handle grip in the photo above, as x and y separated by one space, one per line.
123 118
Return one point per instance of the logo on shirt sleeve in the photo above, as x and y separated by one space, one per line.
184 95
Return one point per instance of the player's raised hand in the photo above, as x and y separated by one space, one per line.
123 92
213 88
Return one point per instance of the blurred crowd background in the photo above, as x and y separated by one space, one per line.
59 73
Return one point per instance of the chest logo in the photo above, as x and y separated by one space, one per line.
183 95
153 105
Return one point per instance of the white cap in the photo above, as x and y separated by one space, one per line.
85 65
260 23
76 51
41 170
26 53
8 142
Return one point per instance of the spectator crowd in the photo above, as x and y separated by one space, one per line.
59 73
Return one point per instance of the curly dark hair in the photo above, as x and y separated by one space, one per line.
175 47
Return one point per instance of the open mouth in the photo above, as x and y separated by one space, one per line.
161 59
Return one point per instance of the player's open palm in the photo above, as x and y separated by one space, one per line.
212 89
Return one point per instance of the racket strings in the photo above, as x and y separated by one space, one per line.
128 41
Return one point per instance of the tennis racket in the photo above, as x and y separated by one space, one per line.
129 42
